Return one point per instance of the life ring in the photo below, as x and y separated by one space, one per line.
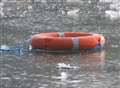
67 41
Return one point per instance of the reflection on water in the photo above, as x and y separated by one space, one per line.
66 61
44 70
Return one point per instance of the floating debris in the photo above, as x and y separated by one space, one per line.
66 66
4 47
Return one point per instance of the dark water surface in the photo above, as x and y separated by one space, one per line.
100 69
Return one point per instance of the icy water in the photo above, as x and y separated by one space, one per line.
100 69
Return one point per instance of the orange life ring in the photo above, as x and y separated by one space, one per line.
66 41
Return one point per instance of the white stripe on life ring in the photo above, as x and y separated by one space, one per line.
61 34
76 43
